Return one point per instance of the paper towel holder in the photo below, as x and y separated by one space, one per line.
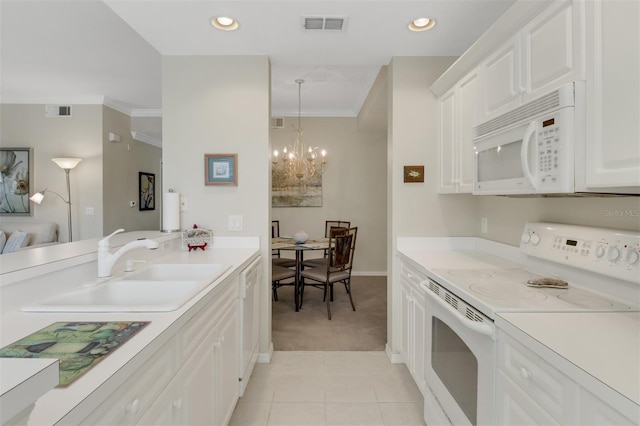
171 212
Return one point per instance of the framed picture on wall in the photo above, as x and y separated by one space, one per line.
16 172
147 189
221 169
413 174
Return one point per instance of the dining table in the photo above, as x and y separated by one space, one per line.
288 243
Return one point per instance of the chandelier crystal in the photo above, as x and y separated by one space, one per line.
296 160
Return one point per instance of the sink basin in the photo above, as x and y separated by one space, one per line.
158 288
177 272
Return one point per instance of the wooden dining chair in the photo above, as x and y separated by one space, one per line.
337 270
331 228
276 260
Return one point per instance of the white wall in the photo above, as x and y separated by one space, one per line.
353 187
24 125
415 209
221 104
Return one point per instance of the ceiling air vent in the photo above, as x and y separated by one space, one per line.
277 122
329 23
57 111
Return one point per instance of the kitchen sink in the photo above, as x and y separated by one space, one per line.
158 288
177 272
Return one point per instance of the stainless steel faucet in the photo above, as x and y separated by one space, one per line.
106 259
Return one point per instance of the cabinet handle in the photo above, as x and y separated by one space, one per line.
177 404
525 374
133 407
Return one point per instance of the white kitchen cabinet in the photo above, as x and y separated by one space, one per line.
413 322
126 407
612 152
458 112
193 379
529 390
249 317
595 412
553 49
547 53
501 79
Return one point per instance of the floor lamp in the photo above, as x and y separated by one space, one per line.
65 164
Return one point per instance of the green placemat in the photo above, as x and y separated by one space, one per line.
77 345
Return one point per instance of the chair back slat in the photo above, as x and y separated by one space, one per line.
341 248
334 224
275 233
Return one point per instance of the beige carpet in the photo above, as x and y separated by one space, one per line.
311 330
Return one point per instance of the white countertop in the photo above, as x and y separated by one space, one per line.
22 381
606 345
59 403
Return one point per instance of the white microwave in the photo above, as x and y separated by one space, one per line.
530 149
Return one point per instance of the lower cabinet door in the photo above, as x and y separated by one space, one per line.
195 399
227 357
515 407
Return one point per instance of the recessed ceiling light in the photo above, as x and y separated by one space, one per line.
422 24
224 23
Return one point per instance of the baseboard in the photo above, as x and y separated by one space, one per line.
393 358
265 358
369 273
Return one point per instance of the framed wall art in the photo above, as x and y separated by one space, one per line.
221 169
413 174
16 172
147 189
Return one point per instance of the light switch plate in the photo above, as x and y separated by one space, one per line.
235 223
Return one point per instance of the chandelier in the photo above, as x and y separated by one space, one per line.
297 161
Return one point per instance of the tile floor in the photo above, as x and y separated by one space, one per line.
330 388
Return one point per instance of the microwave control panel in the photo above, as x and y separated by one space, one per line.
549 151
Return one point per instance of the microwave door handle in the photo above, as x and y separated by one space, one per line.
475 326
524 151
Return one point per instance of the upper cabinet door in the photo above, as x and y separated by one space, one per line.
501 78
446 142
468 100
553 48
613 96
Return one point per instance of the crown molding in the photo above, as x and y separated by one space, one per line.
119 106
143 137
314 113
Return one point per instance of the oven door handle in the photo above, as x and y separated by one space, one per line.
485 329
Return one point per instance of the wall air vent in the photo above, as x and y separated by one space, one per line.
57 111
277 122
328 23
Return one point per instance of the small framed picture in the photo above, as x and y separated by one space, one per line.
147 187
221 169
413 174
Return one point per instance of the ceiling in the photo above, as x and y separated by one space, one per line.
90 51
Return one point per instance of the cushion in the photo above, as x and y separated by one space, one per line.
3 240
17 240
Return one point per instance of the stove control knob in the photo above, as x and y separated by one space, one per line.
600 251
613 254
526 237
631 256
535 239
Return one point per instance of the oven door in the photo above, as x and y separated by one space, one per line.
460 349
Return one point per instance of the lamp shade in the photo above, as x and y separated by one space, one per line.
37 197
66 163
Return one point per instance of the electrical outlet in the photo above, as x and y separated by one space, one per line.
484 225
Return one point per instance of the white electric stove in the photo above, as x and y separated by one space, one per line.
600 266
